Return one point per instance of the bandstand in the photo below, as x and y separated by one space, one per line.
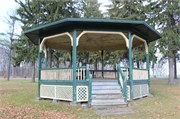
76 84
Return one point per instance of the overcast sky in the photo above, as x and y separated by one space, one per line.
9 6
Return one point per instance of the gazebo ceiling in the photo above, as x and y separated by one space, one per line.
89 42
108 41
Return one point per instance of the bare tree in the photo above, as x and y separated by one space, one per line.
7 39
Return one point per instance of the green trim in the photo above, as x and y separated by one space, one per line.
56 83
125 67
130 67
80 67
57 68
44 26
141 69
74 67
45 63
82 83
39 67
85 20
55 80
139 82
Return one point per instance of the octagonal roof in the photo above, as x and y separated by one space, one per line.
68 24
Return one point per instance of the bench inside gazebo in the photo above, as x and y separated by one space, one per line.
76 84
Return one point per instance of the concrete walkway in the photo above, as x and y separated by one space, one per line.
114 111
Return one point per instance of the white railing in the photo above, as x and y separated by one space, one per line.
140 74
56 74
81 73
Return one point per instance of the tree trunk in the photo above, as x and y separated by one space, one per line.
138 64
9 65
171 69
49 63
175 71
33 73
154 73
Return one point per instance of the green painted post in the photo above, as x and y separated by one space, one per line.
130 67
102 52
74 68
71 58
39 70
147 62
89 80
87 71
45 63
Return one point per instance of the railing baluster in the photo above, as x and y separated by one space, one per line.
81 74
78 73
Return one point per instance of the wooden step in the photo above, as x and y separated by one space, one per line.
107 96
104 83
105 92
100 87
94 101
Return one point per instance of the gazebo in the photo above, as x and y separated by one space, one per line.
76 84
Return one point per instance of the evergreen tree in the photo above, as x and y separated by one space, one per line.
89 8
132 10
26 52
126 9
33 13
165 14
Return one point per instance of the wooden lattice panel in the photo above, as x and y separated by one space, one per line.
47 91
140 91
136 91
56 92
144 90
140 74
82 93
64 92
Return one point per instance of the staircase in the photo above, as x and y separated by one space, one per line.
107 94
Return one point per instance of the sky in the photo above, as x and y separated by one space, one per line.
9 6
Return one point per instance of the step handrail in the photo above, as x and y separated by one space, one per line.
89 80
122 82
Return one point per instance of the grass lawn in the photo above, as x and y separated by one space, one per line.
17 101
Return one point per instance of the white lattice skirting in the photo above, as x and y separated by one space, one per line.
82 93
138 91
56 92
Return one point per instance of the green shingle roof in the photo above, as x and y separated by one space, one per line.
68 24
